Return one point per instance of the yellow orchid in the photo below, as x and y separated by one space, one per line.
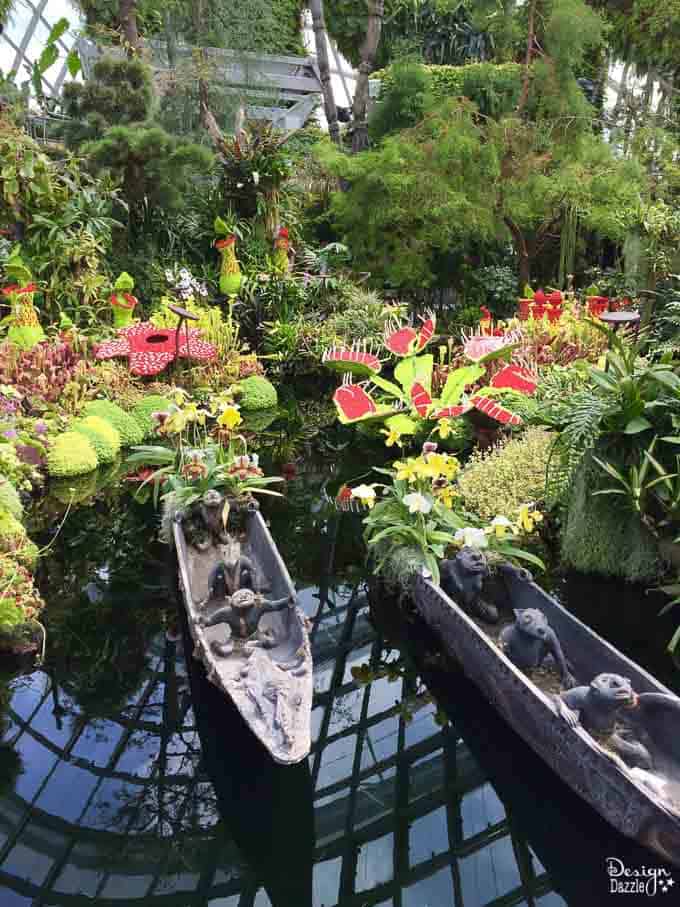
229 418
444 428
393 437
406 471
179 395
527 518
175 423
446 494
434 465
193 414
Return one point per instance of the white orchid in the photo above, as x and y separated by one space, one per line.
365 494
417 502
471 537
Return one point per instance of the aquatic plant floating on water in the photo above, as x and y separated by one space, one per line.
151 349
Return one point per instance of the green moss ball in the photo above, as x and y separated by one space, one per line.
71 454
143 412
127 427
257 393
102 436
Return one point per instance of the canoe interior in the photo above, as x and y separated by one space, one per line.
633 804
271 687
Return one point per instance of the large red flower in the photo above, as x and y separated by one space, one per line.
150 349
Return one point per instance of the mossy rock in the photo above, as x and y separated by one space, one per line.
102 436
71 454
257 393
127 427
604 536
76 490
143 412
260 420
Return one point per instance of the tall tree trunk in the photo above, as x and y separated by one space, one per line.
376 12
522 251
531 36
621 93
127 14
316 7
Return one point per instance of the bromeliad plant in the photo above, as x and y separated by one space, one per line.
421 510
407 404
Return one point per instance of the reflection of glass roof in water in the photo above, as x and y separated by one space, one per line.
121 811
24 36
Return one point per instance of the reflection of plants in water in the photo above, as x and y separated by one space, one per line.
96 585
297 429
10 759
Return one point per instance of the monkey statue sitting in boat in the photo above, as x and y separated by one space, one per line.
241 612
531 641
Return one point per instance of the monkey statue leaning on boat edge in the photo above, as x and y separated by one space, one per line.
633 725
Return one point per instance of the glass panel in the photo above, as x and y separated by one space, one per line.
346 711
380 742
434 890
140 754
336 761
374 863
422 725
489 872
326 882
79 784
384 695
36 763
480 809
97 742
375 798
552 899
428 836
27 864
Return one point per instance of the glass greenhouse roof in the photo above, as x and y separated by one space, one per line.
24 37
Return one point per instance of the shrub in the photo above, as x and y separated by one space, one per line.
601 535
257 393
498 482
143 412
102 436
494 87
71 455
127 427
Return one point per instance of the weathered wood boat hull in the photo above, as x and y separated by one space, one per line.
271 687
604 782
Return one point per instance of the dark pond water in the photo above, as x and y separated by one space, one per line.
125 781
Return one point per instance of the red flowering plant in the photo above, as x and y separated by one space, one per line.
409 403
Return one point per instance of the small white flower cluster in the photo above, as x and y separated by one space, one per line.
184 285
